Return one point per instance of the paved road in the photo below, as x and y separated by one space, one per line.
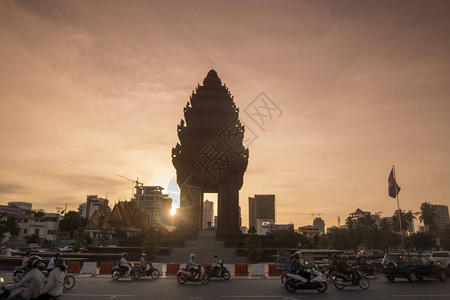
243 288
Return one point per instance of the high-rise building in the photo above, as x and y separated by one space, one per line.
93 202
21 205
151 199
261 207
442 219
208 214
319 223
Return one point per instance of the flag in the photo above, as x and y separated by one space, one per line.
394 189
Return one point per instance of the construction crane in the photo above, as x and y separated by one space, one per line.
315 214
135 181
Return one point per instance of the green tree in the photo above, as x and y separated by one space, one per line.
253 245
427 215
289 236
71 222
120 235
406 220
150 245
420 240
80 239
9 224
104 238
339 239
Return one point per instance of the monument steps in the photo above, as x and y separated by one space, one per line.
204 247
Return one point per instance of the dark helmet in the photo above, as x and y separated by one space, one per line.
344 256
28 253
57 254
215 255
34 262
297 255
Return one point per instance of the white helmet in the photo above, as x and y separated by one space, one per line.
193 256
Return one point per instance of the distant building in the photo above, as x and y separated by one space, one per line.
93 202
319 223
42 224
279 227
127 216
261 226
208 214
261 207
240 217
22 205
309 231
151 199
10 210
442 219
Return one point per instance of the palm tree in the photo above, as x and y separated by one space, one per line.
396 221
428 216
411 216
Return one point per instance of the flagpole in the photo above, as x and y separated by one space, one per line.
399 211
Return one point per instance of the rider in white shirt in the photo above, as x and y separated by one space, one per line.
125 263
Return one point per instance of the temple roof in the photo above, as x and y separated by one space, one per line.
212 79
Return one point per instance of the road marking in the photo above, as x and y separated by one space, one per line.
261 296
98 295
443 295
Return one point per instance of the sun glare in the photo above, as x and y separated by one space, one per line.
173 210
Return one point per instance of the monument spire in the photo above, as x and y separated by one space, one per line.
210 157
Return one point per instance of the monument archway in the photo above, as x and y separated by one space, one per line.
210 157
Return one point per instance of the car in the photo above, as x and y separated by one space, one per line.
441 258
412 266
66 249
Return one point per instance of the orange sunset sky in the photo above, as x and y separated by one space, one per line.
94 89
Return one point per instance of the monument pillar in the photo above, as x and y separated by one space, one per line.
228 208
210 157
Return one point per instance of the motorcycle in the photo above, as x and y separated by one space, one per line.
4 294
341 280
221 272
120 272
369 270
19 274
150 272
69 280
185 275
295 282
331 272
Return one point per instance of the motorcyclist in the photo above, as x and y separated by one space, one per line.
52 261
192 265
358 260
54 286
334 261
344 268
299 266
25 259
216 263
125 263
31 283
363 262
143 262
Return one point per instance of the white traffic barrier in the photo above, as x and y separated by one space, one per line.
257 270
230 268
158 266
89 268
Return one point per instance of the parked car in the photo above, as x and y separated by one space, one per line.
412 266
441 258
66 249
